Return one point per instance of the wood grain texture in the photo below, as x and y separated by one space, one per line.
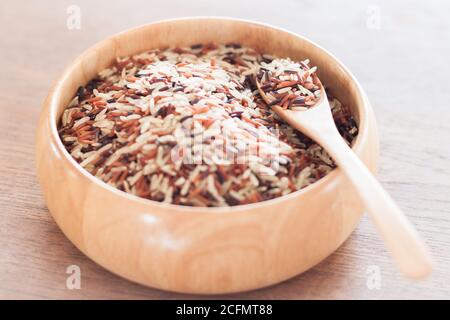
403 67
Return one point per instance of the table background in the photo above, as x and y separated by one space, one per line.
399 50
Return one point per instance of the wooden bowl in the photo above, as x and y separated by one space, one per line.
190 249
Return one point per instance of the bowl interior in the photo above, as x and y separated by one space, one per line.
186 32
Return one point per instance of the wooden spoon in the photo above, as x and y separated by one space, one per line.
402 240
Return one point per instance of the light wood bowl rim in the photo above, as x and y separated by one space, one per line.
362 106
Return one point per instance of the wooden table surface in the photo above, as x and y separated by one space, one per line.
398 50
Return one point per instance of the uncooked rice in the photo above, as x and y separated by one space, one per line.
289 84
187 126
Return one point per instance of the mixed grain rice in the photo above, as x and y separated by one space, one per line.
187 126
289 84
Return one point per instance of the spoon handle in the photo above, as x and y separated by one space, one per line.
402 240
